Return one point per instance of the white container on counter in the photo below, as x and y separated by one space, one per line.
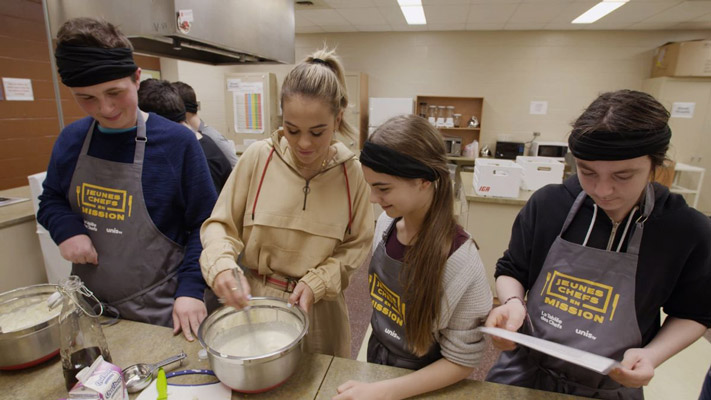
497 178
539 171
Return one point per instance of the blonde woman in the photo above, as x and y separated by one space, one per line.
428 286
294 214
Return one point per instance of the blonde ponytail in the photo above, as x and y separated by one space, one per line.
321 76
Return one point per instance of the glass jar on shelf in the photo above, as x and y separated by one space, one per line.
449 117
422 109
432 115
441 115
457 120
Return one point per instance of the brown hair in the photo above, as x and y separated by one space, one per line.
424 264
186 92
625 111
320 76
92 32
161 97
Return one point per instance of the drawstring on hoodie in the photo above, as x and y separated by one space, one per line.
614 230
259 188
306 190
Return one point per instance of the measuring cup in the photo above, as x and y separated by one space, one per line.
138 376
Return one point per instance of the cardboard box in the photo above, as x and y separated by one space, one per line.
692 58
539 171
497 178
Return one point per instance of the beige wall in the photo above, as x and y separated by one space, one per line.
509 69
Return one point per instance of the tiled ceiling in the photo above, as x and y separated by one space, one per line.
459 15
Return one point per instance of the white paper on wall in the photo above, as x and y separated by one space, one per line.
248 105
18 89
538 108
682 109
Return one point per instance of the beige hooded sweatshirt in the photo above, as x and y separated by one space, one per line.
297 228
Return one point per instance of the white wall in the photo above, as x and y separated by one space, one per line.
508 68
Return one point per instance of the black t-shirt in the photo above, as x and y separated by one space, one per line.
674 267
220 167
396 250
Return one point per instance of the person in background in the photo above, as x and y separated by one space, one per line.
294 214
706 388
600 254
423 258
124 195
162 98
187 93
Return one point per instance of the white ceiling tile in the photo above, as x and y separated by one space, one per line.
490 13
393 15
456 14
542 13
301 20
652 26
685 11
363 16
485 26
374 28
324 17
631 13
562 26
339 28
444 2
524 26
446 27
308 29
349 3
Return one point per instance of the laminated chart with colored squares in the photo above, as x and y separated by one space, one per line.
248 105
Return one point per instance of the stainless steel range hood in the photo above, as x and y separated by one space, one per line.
207 31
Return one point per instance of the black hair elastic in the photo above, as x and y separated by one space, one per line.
191 106
385 160
319 61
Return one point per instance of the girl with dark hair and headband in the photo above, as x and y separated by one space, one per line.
293 219
427 282
126 191
593 260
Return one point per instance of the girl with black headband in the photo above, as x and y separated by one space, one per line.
293 220
593 260
427 282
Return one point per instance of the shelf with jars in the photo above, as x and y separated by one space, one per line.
459 117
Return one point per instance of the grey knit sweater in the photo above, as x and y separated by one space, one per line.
466 301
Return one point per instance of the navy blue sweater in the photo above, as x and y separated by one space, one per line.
176 182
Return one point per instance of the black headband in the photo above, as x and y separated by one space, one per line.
191 106
385 160
81 66
614 146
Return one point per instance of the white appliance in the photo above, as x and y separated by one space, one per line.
381 109
56 267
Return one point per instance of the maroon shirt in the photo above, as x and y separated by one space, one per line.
396 250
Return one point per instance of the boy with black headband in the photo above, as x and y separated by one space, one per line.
598 257
125 195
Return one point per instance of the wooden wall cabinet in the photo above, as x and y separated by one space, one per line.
467 106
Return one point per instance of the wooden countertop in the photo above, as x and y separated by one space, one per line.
19 212
467 179
317 377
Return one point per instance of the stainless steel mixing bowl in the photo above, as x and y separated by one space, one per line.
30 346
261 372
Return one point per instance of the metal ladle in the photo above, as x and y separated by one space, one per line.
138 376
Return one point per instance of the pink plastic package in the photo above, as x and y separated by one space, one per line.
101 381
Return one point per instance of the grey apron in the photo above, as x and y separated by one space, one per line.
585 298
387 344
137 263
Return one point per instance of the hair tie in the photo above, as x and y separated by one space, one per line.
318 61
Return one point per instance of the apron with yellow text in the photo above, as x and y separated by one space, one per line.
137 263
584 298
387 344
